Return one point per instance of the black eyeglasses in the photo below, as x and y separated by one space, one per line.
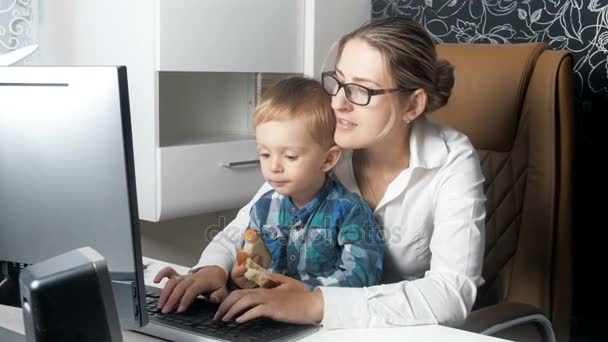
355 93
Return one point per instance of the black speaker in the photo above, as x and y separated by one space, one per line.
69 298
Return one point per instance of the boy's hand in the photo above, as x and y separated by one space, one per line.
238 275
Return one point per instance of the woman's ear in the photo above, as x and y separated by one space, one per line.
416 105
331 159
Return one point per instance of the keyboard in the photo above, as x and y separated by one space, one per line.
198 320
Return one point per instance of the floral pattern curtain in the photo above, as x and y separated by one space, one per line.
17 26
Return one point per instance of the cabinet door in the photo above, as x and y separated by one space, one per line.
231 36
207 177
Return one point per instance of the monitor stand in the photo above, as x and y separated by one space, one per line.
9 285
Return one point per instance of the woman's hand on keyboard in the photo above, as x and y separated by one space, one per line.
300 307
181 290
288 283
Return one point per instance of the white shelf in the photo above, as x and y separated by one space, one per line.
205 106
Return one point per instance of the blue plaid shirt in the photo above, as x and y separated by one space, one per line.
332 241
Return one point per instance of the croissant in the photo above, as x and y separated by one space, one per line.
255 246
259 275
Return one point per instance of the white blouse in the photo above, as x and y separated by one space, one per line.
433 218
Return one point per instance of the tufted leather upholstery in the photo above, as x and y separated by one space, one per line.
515 102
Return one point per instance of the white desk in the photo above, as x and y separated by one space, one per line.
11 318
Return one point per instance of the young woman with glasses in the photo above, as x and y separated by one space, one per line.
423 181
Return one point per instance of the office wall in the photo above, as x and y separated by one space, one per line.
182 240
580 26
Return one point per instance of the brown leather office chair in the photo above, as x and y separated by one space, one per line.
515 102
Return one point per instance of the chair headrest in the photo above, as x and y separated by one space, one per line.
490 86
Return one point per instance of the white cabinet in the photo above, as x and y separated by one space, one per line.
239 36
192 68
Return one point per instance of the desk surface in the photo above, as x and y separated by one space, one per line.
11 318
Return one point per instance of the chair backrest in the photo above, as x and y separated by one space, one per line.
515 102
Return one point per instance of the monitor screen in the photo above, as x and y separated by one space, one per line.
67 175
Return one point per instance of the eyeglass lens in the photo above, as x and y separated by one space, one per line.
354 93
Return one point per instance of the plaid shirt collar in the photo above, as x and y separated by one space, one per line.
301 215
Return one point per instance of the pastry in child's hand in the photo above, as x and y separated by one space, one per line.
255 246
259 275
241 258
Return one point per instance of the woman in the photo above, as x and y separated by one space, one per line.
423 181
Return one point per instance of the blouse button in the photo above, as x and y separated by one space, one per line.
292 257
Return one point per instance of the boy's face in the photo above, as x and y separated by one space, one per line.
292 162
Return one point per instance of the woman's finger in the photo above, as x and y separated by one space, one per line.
246 302
190 293
228 302
280 278
253 313
288 283
167 291
177 294
166 272
218 295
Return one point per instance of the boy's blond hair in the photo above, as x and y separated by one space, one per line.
299 98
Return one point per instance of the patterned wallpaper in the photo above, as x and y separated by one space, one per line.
16 24
580 26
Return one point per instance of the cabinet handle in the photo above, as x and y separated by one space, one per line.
241 163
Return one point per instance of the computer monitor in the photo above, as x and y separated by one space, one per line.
67 174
